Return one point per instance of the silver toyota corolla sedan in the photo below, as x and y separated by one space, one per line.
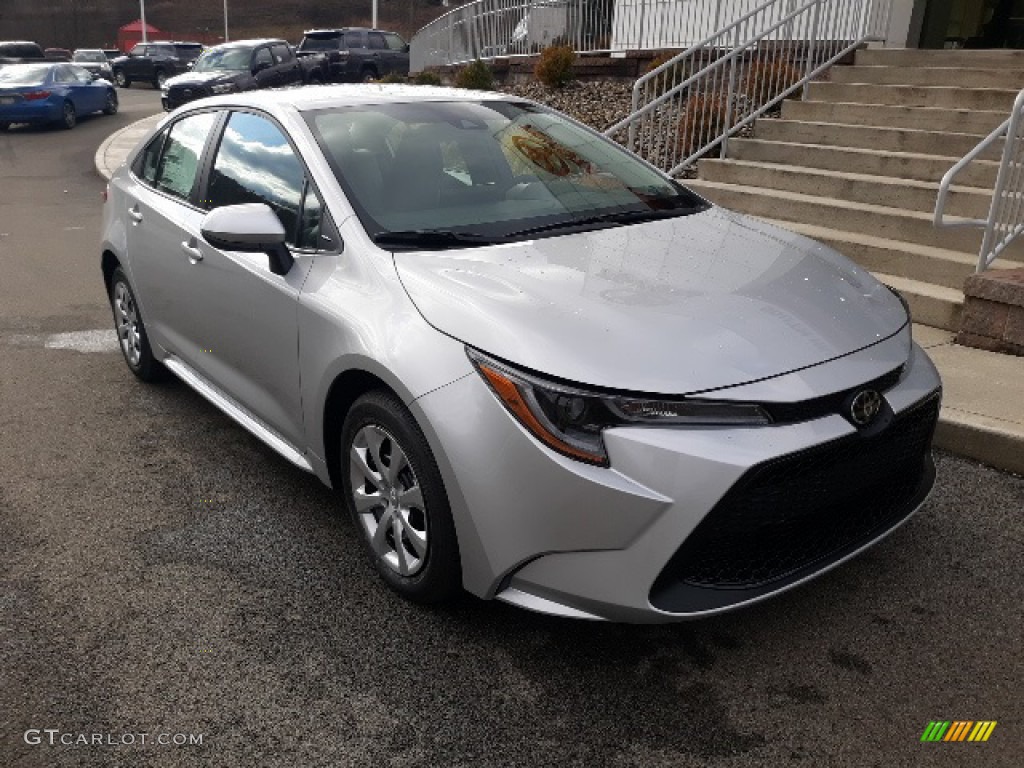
534 367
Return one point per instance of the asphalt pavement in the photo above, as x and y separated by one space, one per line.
167 578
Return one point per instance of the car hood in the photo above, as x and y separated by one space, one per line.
677 306
204 78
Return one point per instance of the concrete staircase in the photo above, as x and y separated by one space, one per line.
858 164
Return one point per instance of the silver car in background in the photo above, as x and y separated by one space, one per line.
534 367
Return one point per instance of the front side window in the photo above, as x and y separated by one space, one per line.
282 53
138 50
262 60
256 164
376 41
179 162
489 169
81 75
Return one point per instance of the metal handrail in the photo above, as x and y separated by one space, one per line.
697 100
1005 219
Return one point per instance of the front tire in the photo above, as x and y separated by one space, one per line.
69 117
110 107
368 75
131 331
395 495
159 79
121 79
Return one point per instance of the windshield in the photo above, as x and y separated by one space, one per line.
490 170
93 56
24 74
233 59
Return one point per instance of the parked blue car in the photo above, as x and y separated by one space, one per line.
51 93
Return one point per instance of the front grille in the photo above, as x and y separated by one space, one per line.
182 95
792 515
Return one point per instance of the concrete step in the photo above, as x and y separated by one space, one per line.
926 264
944 74
872 137
976 122
968 202
920 57
879 221
902 165
991 99
930 304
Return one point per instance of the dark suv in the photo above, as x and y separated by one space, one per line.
242 65
154 62
357 54
19 52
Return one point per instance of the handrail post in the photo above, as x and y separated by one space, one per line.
812 45
1002 175
729 96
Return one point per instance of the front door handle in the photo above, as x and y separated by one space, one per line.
135 213
190 249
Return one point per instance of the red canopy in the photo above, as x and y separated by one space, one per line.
131 34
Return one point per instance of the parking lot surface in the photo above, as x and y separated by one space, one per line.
165 574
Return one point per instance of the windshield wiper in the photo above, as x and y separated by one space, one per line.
433 238
614 217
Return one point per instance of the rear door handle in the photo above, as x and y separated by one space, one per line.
190 249
135 214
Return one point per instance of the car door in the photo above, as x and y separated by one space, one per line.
248 315
163 218
90 96
286 64
378 53
136 64
263 68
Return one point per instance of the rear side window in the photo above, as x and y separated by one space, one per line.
395 43
355 39
176 169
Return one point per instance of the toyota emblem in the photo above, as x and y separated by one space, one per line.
865 407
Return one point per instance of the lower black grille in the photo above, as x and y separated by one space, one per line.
179 95
792 515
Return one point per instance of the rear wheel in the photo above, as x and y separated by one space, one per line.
131 332
121 79
110 107
69 117
394 494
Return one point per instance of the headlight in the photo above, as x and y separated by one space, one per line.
570 420
224 88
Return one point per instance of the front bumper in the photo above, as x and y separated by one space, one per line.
685 522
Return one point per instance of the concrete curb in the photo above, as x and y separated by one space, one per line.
116 147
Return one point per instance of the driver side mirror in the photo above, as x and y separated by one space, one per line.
250 228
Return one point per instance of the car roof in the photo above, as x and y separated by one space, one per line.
249 43
336 30
353 94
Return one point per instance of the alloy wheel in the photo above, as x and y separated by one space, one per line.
388 500
127 318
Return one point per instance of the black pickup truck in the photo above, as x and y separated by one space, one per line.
20 52
356 54
154 62
242 65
